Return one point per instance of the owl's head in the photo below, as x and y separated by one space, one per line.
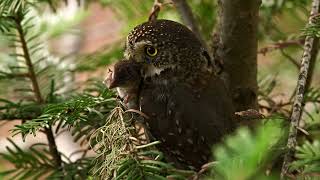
165 44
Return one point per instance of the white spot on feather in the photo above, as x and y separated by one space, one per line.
152 71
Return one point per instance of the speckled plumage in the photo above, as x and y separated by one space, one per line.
188 106
177 45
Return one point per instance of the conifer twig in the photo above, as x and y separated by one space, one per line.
36 89
297 108
157 5
250 114
155 11
280 45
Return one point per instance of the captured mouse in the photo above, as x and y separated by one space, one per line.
125 77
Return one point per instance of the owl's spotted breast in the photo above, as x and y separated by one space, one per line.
187 120
189 107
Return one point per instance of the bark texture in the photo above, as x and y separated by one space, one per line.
238 28
309 55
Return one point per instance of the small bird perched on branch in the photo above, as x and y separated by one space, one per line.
188 106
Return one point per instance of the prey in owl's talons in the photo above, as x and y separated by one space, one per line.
125 77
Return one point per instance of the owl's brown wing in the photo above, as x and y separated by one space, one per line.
186 121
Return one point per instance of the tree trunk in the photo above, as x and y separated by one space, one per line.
238 28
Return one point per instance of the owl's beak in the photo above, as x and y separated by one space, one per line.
148 61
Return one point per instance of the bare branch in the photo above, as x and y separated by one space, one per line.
280 45
27 57
250 114
309 46
157 6
155 11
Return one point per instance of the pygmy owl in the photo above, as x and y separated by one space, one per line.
188 105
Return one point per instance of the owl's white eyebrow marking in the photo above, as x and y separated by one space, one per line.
139 44
151 70
126 54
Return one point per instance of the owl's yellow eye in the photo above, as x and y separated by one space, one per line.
151 51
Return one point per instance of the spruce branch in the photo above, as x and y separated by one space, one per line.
28 61
12 111
72 113
308 155
36 89
31 164
247 153
297 109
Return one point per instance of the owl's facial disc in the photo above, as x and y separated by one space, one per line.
144 52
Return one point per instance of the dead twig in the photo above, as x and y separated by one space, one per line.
280 45
157 6
155 11
204 169
297 108
249 114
